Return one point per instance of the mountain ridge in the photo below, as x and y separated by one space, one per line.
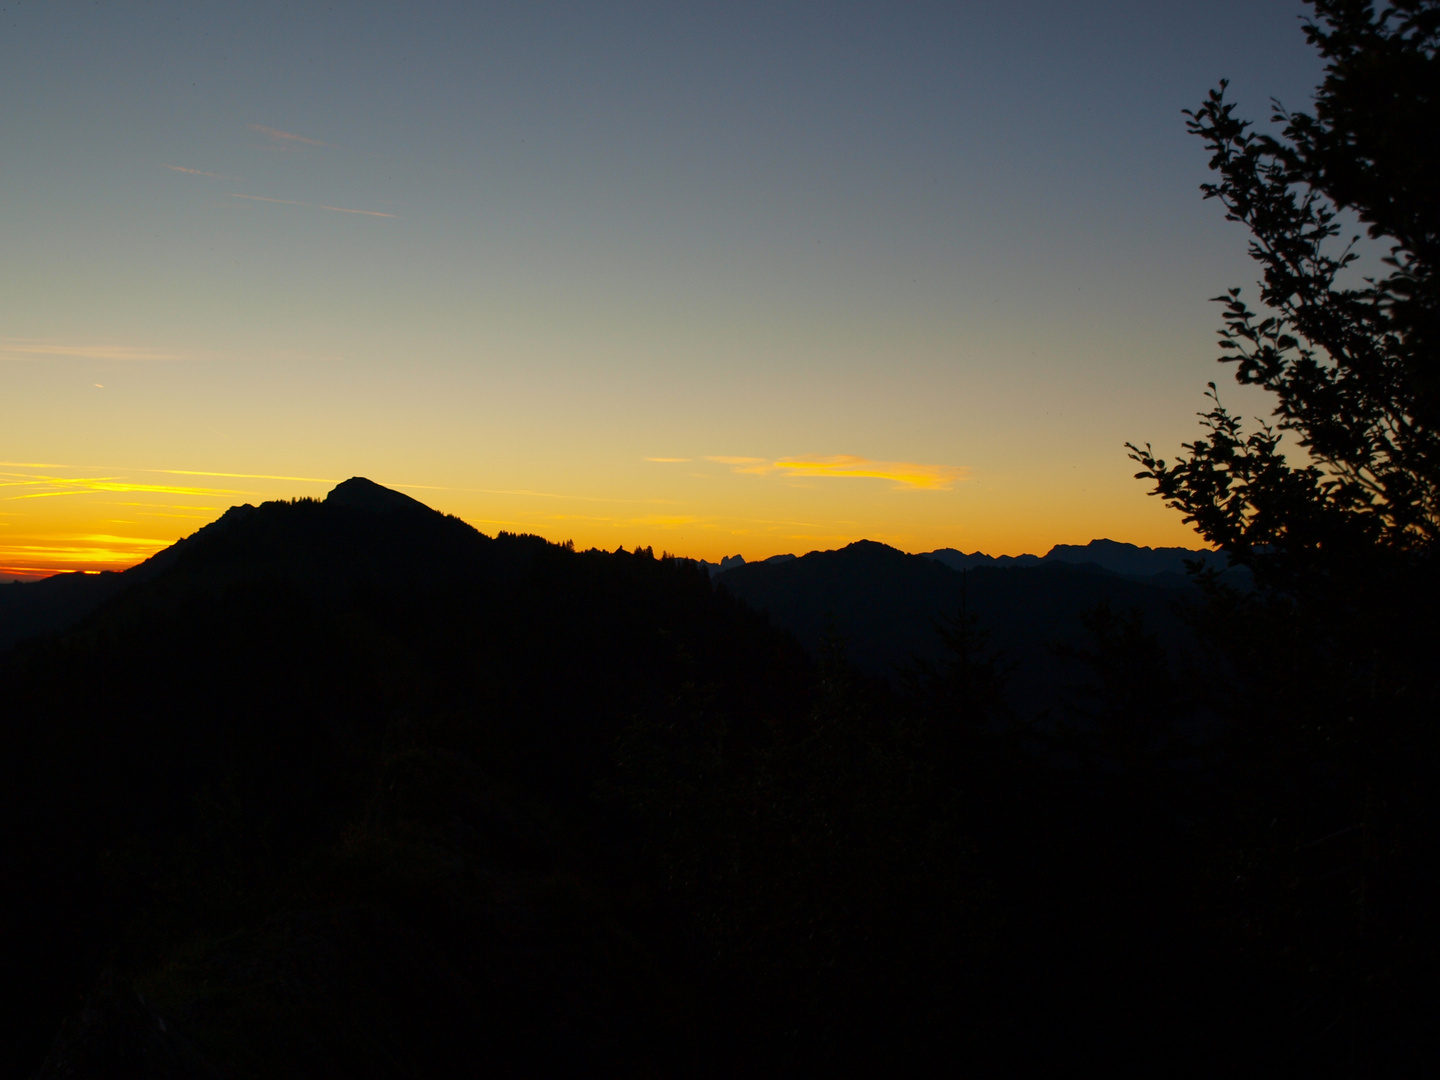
1115 556
53 604
339 718
882 606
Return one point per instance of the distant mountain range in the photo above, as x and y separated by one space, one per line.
884 604
30 609
1159 566
1128 560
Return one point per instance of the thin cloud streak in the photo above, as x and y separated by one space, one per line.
37 349
665 521
52 494
664 460
904 474
164 472
92 485
315 206
552 495
287 136
58 552
238 475
196 172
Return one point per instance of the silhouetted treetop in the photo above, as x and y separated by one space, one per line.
1352 368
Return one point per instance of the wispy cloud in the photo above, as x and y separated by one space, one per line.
162 472
313 206
49 486
16 349
903 474
279 136
754 466
553 495
239 475
45 554
667 459
94 487
196 172
29 544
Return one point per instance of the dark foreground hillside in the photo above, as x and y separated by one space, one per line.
349 789
330 740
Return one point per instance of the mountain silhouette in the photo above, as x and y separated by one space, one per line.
730 562
30 609
884 605
37 608
347 787
54 604
1129 560
1160 566
359 493
365 663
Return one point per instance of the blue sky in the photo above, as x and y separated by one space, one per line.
508 255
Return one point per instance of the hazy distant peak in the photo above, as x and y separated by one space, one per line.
1112 555
359 493
732 562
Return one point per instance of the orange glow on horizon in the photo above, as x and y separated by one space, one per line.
690 505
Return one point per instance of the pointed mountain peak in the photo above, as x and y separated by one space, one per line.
359 493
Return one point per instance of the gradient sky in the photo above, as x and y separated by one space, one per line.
713 278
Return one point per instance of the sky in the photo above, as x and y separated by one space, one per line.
712 278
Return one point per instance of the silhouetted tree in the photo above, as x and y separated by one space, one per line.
1332 842
1351 367
1341 536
